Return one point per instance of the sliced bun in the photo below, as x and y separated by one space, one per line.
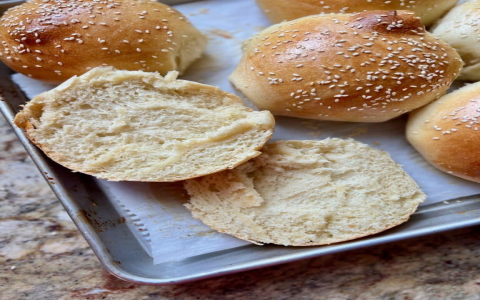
286 10
460 28
53 40
139 126
305 193
366 67
447 132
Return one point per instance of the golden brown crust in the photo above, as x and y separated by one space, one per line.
447 132
281 10
365 67
53 40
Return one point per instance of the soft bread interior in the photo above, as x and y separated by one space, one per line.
307 193
133 125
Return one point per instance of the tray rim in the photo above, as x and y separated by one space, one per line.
47 168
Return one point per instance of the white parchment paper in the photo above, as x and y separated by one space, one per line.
155 212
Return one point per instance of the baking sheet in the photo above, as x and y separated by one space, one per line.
227 30
155 212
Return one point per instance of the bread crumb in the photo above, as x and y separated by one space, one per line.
357 131
203 11
221 33
311 124
315 134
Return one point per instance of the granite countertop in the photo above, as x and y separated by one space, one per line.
43 256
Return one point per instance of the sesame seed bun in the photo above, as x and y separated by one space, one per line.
447 132
281 10
460 28
365 67
53 40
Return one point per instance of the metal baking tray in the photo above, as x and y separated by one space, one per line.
121 254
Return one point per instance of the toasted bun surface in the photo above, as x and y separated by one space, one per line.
447 132
365 67
281 10
139 126
460 28
304 193
52 40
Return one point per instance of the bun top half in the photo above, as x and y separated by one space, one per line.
365 67
52 40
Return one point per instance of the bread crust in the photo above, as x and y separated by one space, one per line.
365 67
54 40
447 132
281 10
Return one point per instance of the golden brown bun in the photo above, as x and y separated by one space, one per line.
447 132
365 67
460 28
281 10
52 40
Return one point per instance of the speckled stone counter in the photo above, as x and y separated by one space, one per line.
43 256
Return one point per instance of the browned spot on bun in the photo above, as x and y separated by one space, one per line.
389 22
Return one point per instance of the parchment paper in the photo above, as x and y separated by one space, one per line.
155 212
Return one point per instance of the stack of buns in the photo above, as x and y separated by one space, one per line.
132 124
